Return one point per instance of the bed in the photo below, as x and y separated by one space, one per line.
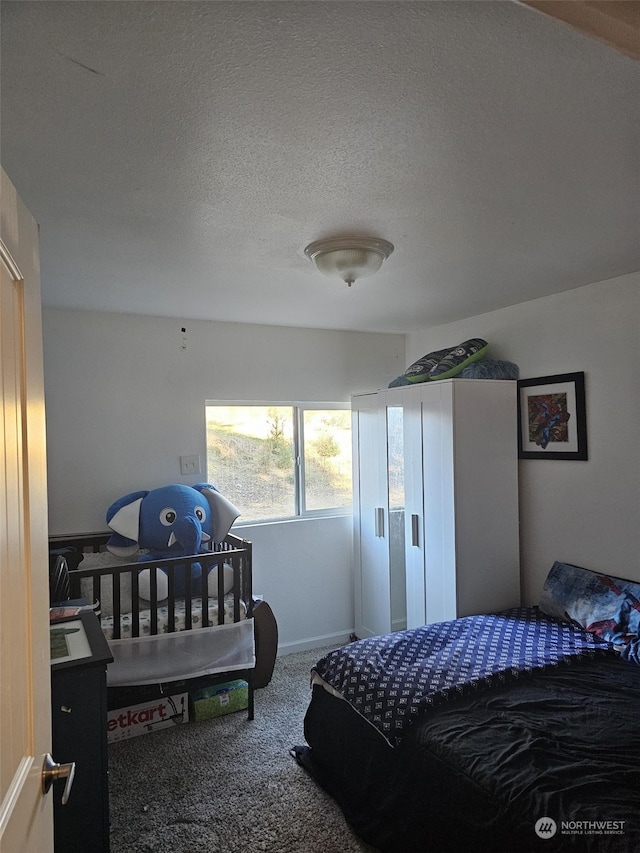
511 732
206 633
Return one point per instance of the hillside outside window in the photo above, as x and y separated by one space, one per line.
280 461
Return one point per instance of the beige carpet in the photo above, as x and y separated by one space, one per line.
228 785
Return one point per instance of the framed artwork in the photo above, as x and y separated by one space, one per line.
552 422
69 641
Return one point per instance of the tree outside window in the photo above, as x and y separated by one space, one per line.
276 461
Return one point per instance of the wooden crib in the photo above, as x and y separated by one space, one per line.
211 625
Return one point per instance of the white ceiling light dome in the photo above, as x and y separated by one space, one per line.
349 258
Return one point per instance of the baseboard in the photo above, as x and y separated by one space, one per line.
314 643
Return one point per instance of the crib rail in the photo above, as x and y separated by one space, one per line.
233 551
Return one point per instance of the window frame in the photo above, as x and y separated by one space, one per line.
299 499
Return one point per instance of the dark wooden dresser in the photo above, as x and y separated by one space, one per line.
80 655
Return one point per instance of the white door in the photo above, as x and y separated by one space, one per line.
438 540
414 508
421 422
26 819
395 475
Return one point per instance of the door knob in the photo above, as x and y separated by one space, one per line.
51 772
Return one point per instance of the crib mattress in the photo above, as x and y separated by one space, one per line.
180 610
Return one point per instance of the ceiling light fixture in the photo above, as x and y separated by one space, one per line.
349 258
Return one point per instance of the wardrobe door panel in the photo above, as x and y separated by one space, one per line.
415 531
395 488
439 515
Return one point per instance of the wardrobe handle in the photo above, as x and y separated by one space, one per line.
415 530
379 521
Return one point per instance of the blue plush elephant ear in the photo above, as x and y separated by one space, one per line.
200 487
121 547
123 517
223 512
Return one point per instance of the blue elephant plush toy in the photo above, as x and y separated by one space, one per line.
171 521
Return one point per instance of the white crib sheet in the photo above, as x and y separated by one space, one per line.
126 619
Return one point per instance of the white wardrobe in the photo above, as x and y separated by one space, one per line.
435 503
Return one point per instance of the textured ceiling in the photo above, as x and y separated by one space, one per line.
180 155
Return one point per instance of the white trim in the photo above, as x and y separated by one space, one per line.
15 789
325 404
310 643
9 262
310 515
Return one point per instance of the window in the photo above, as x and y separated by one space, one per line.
275 461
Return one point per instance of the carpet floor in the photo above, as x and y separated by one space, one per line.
228 785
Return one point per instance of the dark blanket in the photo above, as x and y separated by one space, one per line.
392 680
479 774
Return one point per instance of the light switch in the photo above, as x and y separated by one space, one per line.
190 464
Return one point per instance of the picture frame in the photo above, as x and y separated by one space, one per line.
69 641
552 421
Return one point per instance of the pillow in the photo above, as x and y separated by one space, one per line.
490 368
605 605
454 361
399 381
419 371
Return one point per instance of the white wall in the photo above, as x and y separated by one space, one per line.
304 570
586 513
125 400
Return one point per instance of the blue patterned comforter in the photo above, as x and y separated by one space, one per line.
393 679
